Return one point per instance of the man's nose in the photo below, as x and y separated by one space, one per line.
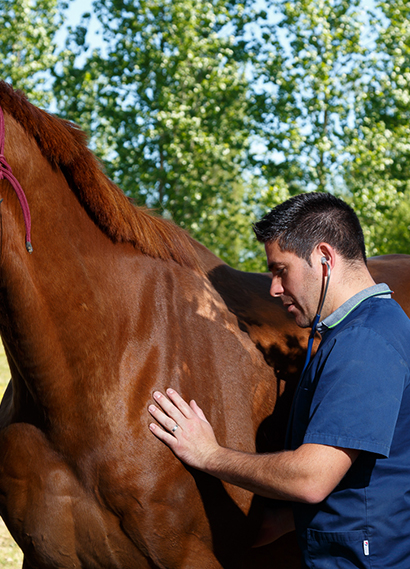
276 288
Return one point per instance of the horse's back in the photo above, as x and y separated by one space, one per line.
393 270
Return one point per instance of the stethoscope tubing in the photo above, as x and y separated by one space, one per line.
317 317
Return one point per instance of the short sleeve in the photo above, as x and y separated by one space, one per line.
359 389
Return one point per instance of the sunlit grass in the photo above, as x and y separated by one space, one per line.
4 371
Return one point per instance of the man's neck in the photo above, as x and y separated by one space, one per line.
346 281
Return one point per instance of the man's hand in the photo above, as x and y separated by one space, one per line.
307 474
185 429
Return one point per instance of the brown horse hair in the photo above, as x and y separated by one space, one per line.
64 145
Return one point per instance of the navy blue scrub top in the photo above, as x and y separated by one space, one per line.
355 394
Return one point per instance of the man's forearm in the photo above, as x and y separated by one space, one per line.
307 474
281 476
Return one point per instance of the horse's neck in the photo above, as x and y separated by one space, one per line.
52 298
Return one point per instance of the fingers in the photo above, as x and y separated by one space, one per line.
172 414
196 409
164 420
162 435
177 400
173 405
183 428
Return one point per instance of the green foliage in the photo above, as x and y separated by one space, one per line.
27 44
395 237
228 228
314 65
213 112
168 104
339 115
378 172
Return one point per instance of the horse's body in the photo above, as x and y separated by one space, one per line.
112 304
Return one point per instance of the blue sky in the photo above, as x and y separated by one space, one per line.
74 12
77 9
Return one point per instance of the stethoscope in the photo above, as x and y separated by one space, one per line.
324 261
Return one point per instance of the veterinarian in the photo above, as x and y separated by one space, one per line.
346 470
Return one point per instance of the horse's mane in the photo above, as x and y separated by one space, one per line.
64 145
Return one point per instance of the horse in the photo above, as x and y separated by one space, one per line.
104 304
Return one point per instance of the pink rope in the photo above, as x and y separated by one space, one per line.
7 174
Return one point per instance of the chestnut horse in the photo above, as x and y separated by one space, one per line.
111 304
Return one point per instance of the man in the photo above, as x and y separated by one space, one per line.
347 467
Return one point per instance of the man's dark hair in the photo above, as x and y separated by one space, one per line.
303 221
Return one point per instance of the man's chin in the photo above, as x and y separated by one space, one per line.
302 321
303 324
299 317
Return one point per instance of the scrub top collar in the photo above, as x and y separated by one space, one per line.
381 290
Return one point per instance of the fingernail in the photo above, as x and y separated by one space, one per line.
170 391
152 408
157 395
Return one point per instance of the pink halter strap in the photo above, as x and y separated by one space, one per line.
7 174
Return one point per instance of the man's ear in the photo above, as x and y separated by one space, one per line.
325 254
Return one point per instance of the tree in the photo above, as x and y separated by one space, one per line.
28 46
168 104
212 112
379 172
314 67
338 120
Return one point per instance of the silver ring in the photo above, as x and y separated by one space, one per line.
174 428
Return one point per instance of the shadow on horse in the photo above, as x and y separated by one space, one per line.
113 303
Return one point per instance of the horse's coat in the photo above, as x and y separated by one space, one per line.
112 304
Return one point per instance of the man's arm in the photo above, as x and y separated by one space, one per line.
307 474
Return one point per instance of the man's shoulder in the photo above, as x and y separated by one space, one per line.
381 318
380 312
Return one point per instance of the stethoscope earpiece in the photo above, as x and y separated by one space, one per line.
324 261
